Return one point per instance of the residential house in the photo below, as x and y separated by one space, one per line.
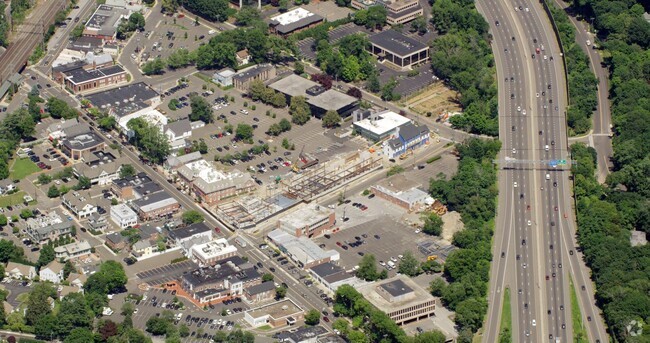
177 132
52 272
75 250
115 241
243 57
408 137
20 271
101 167
77 280
79 203
47 227
144 248
56 129
97 222
123 216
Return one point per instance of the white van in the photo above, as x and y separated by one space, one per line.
548 176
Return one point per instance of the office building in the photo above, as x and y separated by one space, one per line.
398 49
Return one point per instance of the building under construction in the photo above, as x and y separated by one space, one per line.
331 175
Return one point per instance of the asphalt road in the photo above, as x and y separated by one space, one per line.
602 118
535 226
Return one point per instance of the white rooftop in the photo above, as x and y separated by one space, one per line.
382 122
213 249
308 215
302 249
204 170
292 16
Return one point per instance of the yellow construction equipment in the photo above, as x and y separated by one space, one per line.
406 155
432 257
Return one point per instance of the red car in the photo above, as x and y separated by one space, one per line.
327 320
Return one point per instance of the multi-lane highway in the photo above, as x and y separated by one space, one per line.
534 250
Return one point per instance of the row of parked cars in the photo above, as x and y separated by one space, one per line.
176 89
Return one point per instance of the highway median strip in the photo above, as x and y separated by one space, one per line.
505 330
579 333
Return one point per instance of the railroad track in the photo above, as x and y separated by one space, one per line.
17 54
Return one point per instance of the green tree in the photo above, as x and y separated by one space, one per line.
74 314
183 330
60 109
419 25
157 326
213 10
192 217
312 317
331 119
127 309
201 110
244 132
372 83
299 109
53 192
299 68
46 255
409 265
274 129
152 143
367 268
432 224
376 17
247 16
107 122
155 67
285 125
267 277
83 183
110 278
44 179
280 292
388 91
37 303
431 266
3 220
127 170
26 213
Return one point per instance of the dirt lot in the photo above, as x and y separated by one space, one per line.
436 99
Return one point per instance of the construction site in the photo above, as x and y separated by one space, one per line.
304 186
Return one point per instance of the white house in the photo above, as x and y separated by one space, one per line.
53 272
79 203
123 216
144 248
20 271
73 250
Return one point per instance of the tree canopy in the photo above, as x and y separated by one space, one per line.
149 139
201 110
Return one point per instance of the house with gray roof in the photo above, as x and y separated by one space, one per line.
156 205
47 227
407 137
79 203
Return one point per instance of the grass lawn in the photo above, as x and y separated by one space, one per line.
23 167
264 328
506 316
579 333
12 199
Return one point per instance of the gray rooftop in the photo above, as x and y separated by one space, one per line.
288 28
123 100
83 141
261 288
189 231
179 127
409 131
106 18
397 43
251 72
396 287
155 200
81 75
293 85
332 100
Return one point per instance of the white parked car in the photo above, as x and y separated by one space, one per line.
515 184
530 223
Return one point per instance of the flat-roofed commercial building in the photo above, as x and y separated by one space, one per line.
263 72
320 100
211 185
293 21
380 125
311 221
81 79
123 216
403 192
301 250
402 299
104 22
225 280
398 49
398 12
278 314
156 205
76 146
208 254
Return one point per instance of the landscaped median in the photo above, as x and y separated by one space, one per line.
505 332
579 333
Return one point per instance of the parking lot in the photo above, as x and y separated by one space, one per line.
161 275
198 320
310 138
383 237
16 288
164 34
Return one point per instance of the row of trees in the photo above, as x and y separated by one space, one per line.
607 213
472 192
259 91
16 126
583 85
462 57
370 324
163 325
